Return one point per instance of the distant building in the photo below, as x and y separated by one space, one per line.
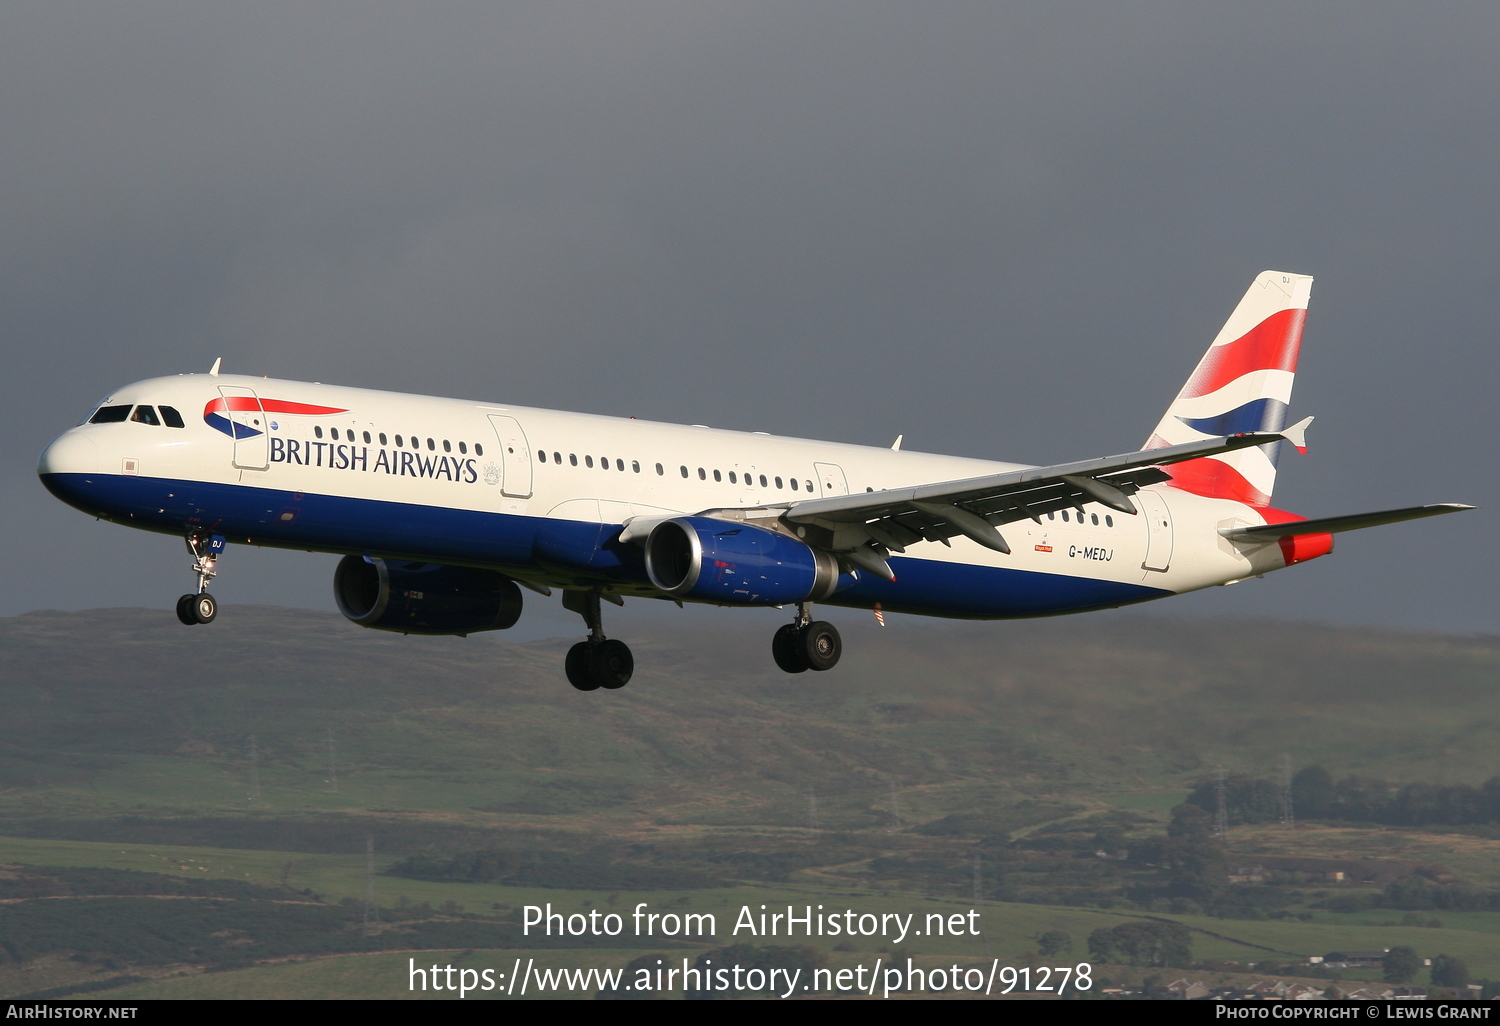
1188 990
1248 874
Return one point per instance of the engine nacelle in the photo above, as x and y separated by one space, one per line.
425 598
719 561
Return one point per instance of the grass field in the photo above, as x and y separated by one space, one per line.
926 746
1009 930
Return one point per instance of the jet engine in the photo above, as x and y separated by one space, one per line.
424 598
737 564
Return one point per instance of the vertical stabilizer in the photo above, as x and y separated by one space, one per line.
1243 383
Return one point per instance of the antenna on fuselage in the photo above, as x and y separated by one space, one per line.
213 371
896 445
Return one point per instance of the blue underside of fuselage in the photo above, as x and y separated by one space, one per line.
583 554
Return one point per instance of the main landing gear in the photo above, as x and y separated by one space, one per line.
201 607
806 644
599 662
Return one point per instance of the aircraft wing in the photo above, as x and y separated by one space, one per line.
1332 525
864 528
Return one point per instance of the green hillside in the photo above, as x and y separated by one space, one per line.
270 749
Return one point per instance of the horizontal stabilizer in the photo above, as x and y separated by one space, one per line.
1333 525
1297 434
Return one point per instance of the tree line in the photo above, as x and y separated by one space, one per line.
1316 795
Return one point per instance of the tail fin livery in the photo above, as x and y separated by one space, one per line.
1243 383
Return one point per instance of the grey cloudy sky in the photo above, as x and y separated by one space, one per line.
1004 230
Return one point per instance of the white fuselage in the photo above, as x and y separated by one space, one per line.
541 494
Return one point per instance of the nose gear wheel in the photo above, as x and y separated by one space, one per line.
201 607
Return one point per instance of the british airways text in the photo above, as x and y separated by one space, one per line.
357 457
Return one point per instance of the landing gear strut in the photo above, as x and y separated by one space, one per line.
806 644
201 607
599 662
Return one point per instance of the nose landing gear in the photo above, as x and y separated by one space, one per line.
599 662
806 644
201 607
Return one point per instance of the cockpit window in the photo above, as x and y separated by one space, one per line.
110 415
146 415
172 417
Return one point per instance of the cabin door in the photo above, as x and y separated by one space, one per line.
252 446
515 457
1158 530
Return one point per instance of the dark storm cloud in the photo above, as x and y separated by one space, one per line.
1002 230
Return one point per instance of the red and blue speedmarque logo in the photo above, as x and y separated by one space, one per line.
213 413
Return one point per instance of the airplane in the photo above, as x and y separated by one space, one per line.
444 510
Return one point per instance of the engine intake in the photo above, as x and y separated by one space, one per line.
424 598
721 561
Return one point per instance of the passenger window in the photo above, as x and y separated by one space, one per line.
398 441
146 415
701 475
172 417
478 449
778 482
573 459
635 466
463 448
431 445
1051 516
1065 516
763 480
684 471
604 462
1094 519
794 484
367 438
808 485
659 470
333 433
110 415
446 446
317 431
717 477
588 461
1109 521
382 438
732 478
620 466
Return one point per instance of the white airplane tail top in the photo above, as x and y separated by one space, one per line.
1243 383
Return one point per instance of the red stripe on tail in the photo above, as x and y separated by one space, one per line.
1216 480
1272 344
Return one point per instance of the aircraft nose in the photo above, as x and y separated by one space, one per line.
72 453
